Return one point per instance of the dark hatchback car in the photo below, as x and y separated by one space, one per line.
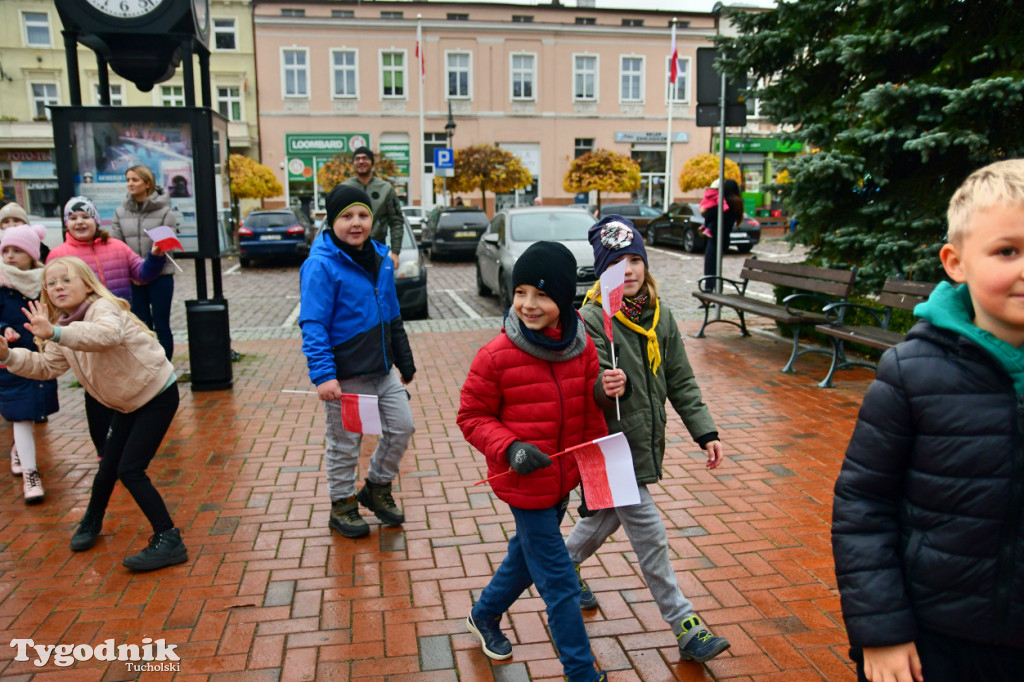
681 224
452 231
640 215
279 232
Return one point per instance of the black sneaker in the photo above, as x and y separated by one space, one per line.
87 532
345 519
700 646
377 498
165 549
588 602
493 641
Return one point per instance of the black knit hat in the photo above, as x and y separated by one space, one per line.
550 267
614 236
343 196
363 150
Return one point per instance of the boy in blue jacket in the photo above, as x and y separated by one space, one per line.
353 340
928 518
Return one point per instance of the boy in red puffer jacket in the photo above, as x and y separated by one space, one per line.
530 394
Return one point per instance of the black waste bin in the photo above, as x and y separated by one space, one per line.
209 344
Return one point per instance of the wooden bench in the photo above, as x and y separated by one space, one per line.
896 293
822 285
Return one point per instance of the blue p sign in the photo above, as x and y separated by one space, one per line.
444 158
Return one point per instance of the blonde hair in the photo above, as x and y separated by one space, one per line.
997 183
146 175
79 268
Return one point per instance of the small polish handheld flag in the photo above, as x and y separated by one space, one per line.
613 281
359 413
165 238
606 466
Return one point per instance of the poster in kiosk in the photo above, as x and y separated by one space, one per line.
187 150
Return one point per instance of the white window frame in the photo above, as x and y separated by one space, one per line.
404 72
240 99
684 75
354 68
448 71
158 95
234 34
304 69
597 70
25 26
639 99
45 100
116 100
512 73
753 102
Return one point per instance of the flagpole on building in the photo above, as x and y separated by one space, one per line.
673 72
423 145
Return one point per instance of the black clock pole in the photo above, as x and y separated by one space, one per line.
101 66
71 54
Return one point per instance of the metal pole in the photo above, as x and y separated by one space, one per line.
719 248
71 55
423 144
668 138
104 84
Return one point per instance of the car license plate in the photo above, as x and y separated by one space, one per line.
270 237
465 235
582 289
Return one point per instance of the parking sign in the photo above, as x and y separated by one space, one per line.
444 158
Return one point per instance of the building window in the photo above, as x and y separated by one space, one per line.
682 89
457 64
523 75
116 95
229 102
452 16
432 141
391 15
751 99
586 21
392 67
224 35
43 95
344 69
632 22
632 79
343 14
37 29
522 19
295 73
286 12
583 145
172 96
584 78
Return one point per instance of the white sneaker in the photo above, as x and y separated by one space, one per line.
16 462
33 486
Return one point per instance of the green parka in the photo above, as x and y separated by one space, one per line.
643 407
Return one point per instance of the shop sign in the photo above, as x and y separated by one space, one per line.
324 144
29 155
650 137
397 152
33 170
762 144
300 168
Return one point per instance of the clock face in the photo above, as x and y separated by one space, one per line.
126 9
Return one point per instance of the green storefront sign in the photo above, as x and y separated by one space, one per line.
306 152
762 144
397 152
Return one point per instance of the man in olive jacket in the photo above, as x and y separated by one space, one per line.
386 209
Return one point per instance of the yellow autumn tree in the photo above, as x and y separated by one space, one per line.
486 167
602 170
250 179
340 168
700 171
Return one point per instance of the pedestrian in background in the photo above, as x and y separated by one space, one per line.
384 203
148 206
83 327
11 214
529 395
731 196
652 367
23 401
354 342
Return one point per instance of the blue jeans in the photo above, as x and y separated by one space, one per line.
151 303
537 555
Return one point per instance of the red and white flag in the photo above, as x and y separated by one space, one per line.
165 238
613 282
673 67
419 56
360 414
606 466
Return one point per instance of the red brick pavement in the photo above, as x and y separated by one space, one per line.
270 594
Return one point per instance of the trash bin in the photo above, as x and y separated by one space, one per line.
209 344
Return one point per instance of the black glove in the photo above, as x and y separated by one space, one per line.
583 510
525 458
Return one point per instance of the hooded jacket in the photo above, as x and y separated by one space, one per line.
131 222
114 263
928 515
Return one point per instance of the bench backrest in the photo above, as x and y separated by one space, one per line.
899 293
829 281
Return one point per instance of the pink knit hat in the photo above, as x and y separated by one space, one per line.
25 237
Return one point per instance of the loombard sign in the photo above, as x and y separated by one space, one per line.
324 144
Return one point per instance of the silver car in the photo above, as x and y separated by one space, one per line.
512 230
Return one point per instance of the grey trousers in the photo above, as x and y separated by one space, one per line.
646 532
341 458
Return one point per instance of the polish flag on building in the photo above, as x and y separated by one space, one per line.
606 466
673 67
165 238
419 56
360 414
613 282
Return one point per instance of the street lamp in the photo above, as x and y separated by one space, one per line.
449 129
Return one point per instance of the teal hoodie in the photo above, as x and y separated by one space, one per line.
951 308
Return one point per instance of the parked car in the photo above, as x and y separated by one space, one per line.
639 214
452 230
592 209
410 278
512 230
681 224
414 214
278 232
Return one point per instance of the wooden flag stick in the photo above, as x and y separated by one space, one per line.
491 478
